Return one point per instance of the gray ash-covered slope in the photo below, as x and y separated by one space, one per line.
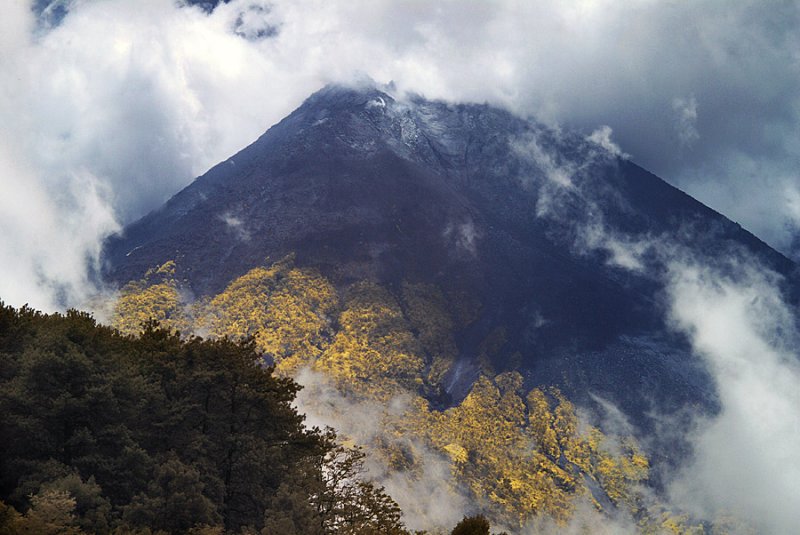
471 198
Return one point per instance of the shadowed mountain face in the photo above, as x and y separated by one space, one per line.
528 224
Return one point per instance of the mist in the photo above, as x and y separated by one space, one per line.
108 112
747 458
431 499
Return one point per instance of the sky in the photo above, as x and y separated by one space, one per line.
109 107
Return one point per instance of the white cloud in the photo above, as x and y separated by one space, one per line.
105 116
686 120
52 220
602 138
622 251
236 226
49 248
747 459
145 95
463 235
757 193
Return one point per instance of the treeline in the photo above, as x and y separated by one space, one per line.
105 433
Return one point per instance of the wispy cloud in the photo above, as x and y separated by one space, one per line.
686 120
236 225
144 95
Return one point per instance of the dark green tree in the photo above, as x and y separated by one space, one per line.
105 433
173 501
472 525
351 505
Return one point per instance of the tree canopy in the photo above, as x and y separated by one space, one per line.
107 433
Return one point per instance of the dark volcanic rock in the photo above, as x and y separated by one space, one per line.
473 199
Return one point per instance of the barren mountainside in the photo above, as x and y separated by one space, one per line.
514 224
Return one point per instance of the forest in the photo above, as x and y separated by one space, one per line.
108 433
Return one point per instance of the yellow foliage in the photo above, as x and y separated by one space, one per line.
679 525
167 269
524 456
155 297
520 454
541 425
374 353
287 310
619 472
486 439
457 453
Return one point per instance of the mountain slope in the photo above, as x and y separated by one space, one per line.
521 227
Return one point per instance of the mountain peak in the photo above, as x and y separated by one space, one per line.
484 206
355 93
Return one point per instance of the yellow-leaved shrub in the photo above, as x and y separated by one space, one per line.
374 352
521 454
155 297
286 309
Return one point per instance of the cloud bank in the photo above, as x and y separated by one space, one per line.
143 95
110 108
747 459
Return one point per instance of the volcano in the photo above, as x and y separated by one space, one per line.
535 226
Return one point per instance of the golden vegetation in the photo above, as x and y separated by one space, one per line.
517 454
287 310
520 454
155 297
374 353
